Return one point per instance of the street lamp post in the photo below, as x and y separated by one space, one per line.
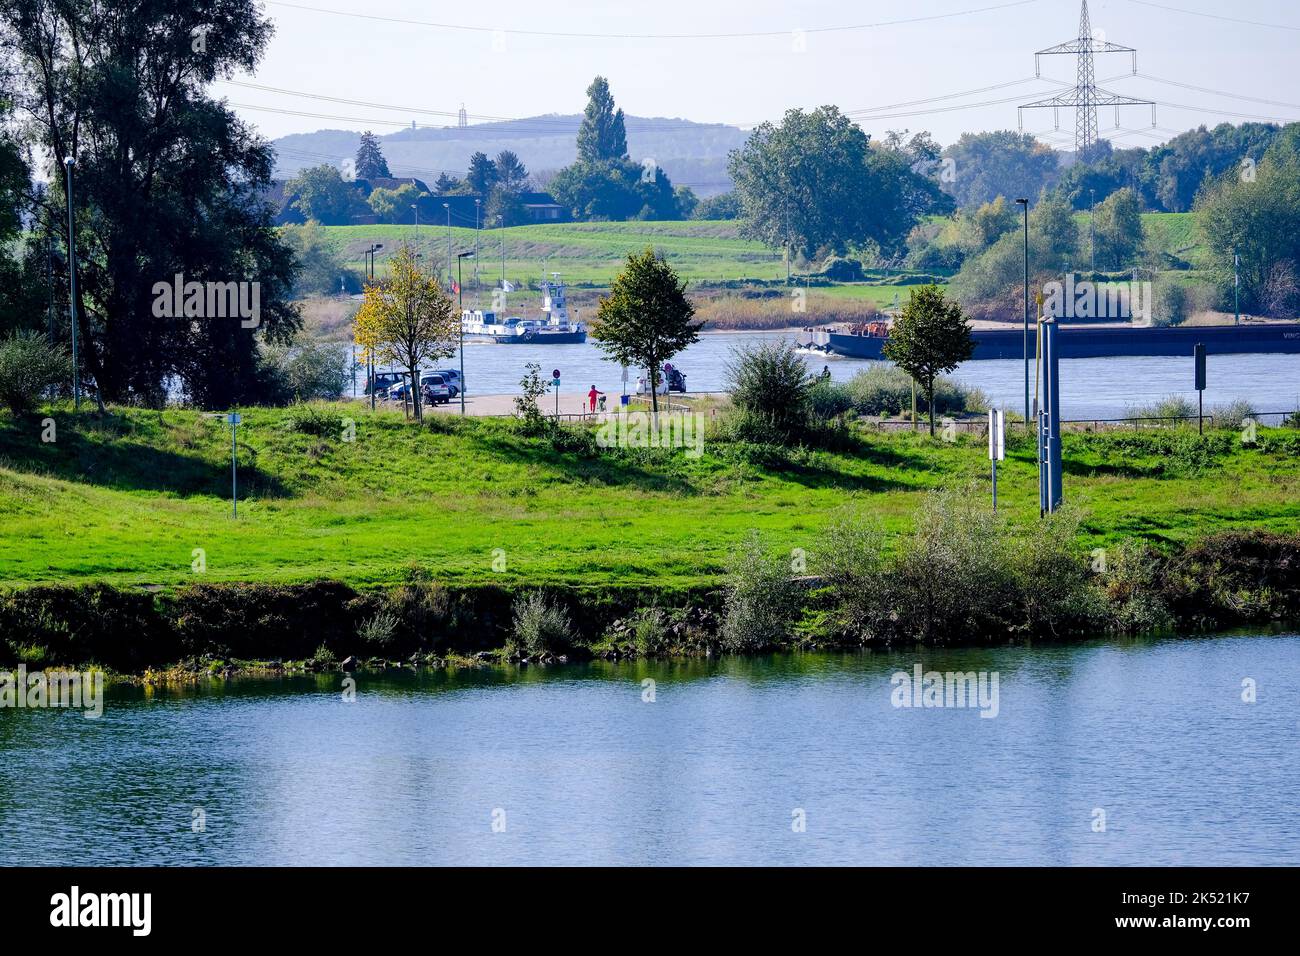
501 225
460 292
370 352
72 289
416 207
447 206
1024 204
478 208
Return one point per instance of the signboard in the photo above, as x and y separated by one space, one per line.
233 418
1200 366
997 435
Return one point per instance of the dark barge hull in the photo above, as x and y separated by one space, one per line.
1076 342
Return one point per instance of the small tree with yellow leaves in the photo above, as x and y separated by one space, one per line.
408 320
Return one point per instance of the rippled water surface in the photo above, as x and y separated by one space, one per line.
583 770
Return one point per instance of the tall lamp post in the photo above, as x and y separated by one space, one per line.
72 289
501 225
478 209
460 293
1024 205
447 206
370 352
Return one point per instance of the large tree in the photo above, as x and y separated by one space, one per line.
323 195
1258 219
814 183
370 162
1117 232
482 174
979 167
646 319
929 337
408 320
602 137
168 182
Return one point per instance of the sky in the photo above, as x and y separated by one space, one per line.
703 62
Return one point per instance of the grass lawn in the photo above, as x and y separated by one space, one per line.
127 499
583 252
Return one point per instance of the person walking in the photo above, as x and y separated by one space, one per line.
592 396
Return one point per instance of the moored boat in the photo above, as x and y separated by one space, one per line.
555 328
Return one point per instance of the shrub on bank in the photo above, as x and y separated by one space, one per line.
29 366
540 626
763 602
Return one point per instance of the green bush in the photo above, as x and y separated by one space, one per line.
540 626
1058 591
827 399
306 370
763 602
851 560
649 631
29 366
770 384
887 390
377 633
953 580
1133 578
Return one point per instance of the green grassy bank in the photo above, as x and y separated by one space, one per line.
117 544
128 498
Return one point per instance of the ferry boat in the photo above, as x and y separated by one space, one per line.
556 328
866 340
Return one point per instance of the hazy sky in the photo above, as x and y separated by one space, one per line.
503 68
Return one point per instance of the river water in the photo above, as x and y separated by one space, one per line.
1090 388
575 766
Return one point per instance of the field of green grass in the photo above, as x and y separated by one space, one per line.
133 497
583 252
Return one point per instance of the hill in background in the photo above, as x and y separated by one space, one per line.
692 154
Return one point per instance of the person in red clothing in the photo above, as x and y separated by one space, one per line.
592 396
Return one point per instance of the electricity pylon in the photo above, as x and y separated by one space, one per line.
1086 95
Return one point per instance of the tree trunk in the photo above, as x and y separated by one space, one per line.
929 400
415 394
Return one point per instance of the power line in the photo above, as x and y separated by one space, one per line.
946 96
557 34
1215 16
1204 89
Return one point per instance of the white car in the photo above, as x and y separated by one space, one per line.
436 390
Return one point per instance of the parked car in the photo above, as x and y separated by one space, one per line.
452 377
435 390
383 381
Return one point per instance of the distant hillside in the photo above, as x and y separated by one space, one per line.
693 154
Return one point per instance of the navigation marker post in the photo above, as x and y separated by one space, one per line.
997 447
555 380
1199 354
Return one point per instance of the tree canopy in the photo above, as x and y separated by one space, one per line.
814 184
168 181
602 136
646 319
929 338
370 162
407 319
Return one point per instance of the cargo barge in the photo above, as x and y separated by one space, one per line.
866 341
